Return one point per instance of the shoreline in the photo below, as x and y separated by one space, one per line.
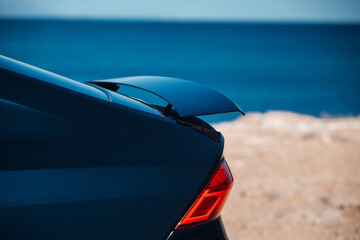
296 176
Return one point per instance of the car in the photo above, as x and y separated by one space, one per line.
84 160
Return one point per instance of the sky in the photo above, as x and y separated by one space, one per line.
338 11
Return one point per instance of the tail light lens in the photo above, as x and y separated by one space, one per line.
208 205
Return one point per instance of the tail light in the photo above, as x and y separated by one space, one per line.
208 205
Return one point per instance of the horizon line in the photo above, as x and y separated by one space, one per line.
172 20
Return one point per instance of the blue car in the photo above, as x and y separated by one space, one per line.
123 158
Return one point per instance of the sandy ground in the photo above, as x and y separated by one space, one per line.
296 177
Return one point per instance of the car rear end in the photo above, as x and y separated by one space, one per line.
83 161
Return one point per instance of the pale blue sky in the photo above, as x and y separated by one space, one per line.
188 10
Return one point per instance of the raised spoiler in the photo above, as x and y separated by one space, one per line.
186 97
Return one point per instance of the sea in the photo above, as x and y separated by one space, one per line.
306 68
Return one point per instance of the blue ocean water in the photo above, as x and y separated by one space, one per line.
305 68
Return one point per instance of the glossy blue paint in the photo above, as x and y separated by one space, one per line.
210 231
76 163
49 77
188 98
38 74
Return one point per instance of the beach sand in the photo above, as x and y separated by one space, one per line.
296 177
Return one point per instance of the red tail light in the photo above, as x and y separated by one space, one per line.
212 199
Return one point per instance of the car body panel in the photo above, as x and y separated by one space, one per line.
74 165
13 65
213 230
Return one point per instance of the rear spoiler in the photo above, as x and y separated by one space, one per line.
186 97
